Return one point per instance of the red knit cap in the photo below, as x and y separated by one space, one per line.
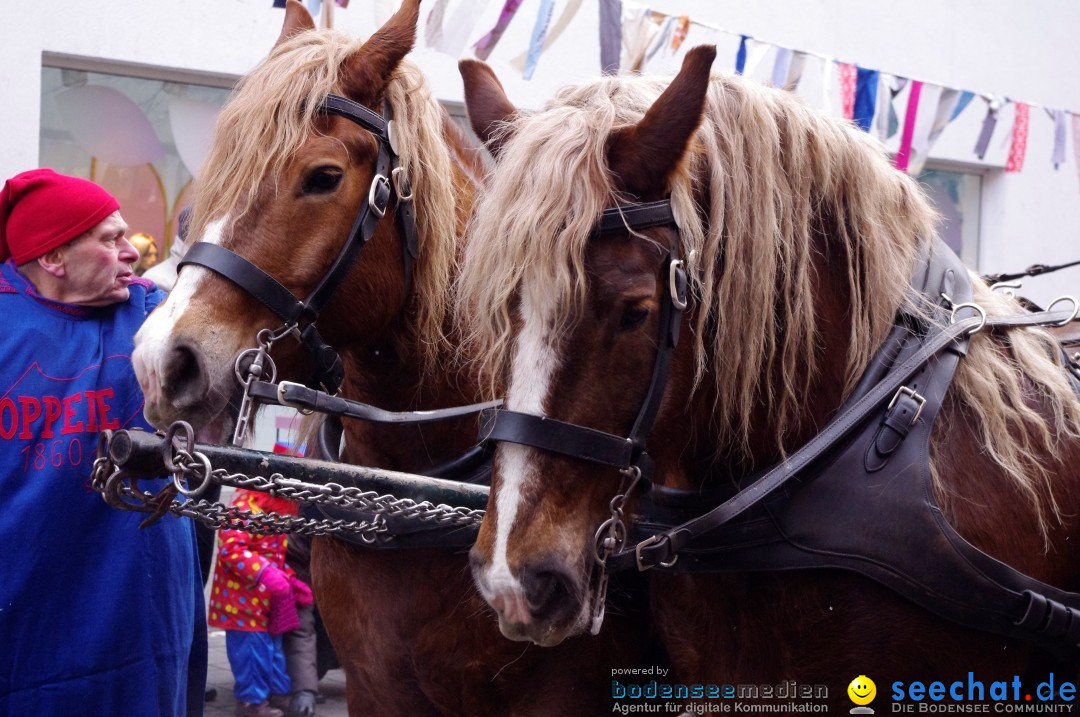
40 210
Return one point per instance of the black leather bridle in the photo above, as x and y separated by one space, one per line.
299 316
627 453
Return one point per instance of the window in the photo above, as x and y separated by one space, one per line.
139 138
956 195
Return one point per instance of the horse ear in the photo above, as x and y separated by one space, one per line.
297 19
642 157
367 70
486 103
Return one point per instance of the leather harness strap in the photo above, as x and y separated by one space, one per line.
892 532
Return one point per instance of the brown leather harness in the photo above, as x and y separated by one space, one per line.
873 454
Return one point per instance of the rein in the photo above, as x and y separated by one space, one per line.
1033 270
299 316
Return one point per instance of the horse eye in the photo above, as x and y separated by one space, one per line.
634 315
322 181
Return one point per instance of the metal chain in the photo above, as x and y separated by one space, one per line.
121 491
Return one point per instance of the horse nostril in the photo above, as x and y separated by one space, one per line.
549 591
184 376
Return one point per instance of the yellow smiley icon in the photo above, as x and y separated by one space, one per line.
862 690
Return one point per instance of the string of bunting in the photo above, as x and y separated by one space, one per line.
632 35
866 95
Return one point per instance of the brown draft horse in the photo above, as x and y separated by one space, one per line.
280 188
800 238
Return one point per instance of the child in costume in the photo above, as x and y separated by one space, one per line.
254 598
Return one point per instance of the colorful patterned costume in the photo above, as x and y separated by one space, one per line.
249 568
238 601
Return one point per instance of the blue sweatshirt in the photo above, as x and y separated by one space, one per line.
97 617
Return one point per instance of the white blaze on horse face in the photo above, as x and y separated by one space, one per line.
152 341
534 364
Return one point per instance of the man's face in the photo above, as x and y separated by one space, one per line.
97 265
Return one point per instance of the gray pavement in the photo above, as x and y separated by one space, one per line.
332 686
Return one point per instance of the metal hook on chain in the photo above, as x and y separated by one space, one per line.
261 364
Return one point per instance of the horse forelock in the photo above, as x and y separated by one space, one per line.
789 196
272 114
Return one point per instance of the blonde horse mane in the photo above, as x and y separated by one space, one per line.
270 116
779 175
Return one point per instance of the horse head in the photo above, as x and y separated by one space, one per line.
281 189
799 242
586 332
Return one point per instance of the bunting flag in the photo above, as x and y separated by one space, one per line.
946 112
433 29
930 125
681 29
828 69
921 141
962 103
989 123
1018 147
1058 157
536 43
279 3
757 51
888 123
740 56
848 77
342 3
1076 142
488 42
866 87
795 70
781 67
638 33
610 36
884 111
662 37
903 155
552 34
456 31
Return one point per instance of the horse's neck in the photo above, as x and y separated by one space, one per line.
713 462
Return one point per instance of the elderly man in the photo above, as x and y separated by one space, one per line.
97 617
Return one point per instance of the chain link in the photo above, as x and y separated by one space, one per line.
121 491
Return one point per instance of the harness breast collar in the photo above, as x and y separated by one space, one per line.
298 316
868 469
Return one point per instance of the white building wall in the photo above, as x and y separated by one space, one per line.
1026 51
